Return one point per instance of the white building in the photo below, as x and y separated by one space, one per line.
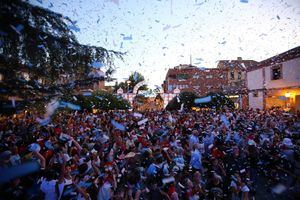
275 82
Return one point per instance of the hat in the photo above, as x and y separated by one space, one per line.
251 143
287 142
130 155
64 137
34 147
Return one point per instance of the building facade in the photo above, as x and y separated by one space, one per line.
229 78
236 87
192 79
275 82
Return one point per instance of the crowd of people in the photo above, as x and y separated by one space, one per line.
209 154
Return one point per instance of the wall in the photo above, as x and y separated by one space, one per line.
255 79
199 81
290 75
256 102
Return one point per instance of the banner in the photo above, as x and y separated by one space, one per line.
203 100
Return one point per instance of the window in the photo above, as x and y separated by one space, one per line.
172 76
255 94
182 77
239 75
231 75
276 72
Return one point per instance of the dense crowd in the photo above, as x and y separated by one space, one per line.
154 155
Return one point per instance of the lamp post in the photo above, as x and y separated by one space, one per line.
128 82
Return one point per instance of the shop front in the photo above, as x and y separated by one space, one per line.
288 99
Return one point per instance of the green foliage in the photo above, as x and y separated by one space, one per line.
98 100
219 100
133 79
187 98
40 42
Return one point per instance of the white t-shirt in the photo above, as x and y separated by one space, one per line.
245 188
105 192
48 187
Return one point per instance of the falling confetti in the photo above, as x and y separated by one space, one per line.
127 37
18 28
166 27
97 64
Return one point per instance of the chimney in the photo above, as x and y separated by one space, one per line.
239 58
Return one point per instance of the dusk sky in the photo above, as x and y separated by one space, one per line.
160 34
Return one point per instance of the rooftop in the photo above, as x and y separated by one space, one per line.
285 56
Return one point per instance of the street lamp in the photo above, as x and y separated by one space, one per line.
287 95
128 82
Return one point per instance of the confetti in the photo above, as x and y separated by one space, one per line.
18 28
278 189
97 64
142 121
139 115
166 27
118 125
115 1
127 37
74 28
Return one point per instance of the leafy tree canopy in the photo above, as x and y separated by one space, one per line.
39 42
98 100
186 98
132 80
218 101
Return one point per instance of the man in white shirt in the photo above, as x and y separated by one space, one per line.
194 139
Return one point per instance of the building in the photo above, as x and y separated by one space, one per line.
229 77
12 95
236 87
275 82
192 79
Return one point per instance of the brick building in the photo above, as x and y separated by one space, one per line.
229 77
192 79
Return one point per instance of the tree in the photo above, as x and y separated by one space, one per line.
39 43
98 100
132 80
186 98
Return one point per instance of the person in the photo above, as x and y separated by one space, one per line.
196 162
82 155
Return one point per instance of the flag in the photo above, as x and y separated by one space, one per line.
142 121
118 125
139 115
203 100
